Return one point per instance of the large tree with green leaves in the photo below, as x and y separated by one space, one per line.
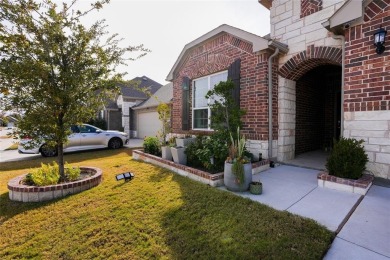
55 69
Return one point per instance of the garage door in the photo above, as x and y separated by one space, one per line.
148 124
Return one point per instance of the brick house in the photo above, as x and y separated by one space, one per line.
327 79
119 113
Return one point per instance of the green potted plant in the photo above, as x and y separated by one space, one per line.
256 187
238 168
166 152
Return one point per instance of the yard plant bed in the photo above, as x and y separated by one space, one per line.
19 191
158 214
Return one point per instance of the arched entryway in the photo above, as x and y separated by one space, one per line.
309 103
318 111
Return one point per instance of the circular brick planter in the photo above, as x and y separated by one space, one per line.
25 193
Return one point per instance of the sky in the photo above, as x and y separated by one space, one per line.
165 27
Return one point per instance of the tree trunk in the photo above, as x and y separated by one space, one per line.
60 160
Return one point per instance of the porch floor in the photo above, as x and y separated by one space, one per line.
312 160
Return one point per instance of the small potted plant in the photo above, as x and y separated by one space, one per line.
166 152
238 168
256 187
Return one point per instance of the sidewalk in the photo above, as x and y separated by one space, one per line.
366 234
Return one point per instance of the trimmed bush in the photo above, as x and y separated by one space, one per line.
347 159
152 145
50 175
46 175
72 173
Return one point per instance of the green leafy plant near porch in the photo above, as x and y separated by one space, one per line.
348 159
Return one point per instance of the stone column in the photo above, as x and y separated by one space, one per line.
287 119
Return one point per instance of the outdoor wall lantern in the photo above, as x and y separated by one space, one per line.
185 85
379 38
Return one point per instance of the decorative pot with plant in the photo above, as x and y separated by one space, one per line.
166 152
238 168
256 187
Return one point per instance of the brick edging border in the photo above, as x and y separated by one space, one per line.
213 180
359 186
25 193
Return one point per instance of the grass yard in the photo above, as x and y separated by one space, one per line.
156 215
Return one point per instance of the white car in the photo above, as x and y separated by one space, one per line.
83 137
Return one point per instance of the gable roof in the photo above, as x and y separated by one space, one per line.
164 94
259 43
129 90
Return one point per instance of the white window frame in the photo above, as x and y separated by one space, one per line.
208 101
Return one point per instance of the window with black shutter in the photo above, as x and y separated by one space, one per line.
234 75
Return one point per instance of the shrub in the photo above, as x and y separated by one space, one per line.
50 175
191 151
152 145
208 152
347 159
72 173
46 175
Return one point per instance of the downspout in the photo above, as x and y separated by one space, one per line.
270 126
342 38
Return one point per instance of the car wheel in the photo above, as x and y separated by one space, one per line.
47 151
115 143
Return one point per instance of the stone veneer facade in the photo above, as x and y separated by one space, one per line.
367 87
367 98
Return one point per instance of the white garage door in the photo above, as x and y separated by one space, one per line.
148 124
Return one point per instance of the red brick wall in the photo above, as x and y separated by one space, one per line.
367 74
310 6
216 55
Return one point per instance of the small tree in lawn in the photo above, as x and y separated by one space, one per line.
55 69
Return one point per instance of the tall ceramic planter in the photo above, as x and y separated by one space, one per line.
166 153
178 155
230 180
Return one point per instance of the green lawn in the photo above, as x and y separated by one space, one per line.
157 215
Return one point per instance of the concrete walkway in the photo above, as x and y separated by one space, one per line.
366 234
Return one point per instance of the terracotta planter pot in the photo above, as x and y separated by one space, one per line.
230 180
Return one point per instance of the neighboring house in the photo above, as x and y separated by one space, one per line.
147 119
118 113
295 84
